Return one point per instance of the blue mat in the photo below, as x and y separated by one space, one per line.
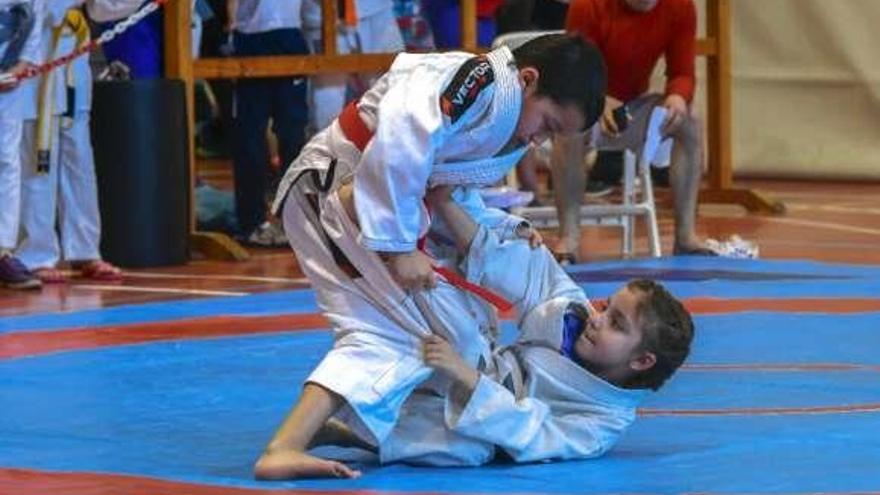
201 410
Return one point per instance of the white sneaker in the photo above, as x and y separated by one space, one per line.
734 247
267 235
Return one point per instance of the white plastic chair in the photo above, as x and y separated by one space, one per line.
636 202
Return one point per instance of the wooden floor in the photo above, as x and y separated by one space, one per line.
824 221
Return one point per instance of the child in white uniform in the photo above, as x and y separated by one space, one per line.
433 119
13 273
65 193
570 383
567 388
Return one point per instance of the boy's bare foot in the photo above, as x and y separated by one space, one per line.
290 464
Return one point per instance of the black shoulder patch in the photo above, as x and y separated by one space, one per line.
472 77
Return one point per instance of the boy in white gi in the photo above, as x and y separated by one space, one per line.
19 50
347 212
60 216
446 118
566 388
570 383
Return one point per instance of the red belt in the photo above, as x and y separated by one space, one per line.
355 130
353 126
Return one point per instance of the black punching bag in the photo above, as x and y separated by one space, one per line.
141 162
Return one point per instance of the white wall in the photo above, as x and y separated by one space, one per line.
806 87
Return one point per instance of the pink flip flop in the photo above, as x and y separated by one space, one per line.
98 270
50 275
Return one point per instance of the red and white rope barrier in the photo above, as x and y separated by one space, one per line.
8 78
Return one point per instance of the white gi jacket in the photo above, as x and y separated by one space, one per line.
534 403
443 118
13 103
556 409
53 15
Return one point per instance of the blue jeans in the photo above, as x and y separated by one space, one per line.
445 19
256 100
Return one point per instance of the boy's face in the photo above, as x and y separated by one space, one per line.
641 5
609 345
541 117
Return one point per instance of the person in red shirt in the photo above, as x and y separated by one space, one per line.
632 36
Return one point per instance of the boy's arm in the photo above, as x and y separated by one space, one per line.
413 120
524 276
391 180
526 429
681 54
461 226
231 15
506 225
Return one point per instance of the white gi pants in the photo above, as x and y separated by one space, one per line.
377 33
10 179
376 360
68 194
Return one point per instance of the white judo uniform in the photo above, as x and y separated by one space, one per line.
531 402
12 112
68 192
417 141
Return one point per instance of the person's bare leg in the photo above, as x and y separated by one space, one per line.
346 198
569 182
335 432
285 456
685 176
527 174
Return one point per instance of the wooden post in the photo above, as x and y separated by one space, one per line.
329 16
719 121
719 94
469 25
178 65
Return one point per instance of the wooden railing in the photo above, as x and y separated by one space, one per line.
715 47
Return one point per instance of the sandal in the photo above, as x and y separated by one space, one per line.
49 275
98 270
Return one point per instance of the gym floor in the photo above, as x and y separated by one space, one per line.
173 380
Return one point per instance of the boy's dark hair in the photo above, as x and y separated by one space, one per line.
667 332
572 72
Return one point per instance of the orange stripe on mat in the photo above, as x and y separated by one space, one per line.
30 481
711 305
33 482
44 342
762 411
34 343
787 367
